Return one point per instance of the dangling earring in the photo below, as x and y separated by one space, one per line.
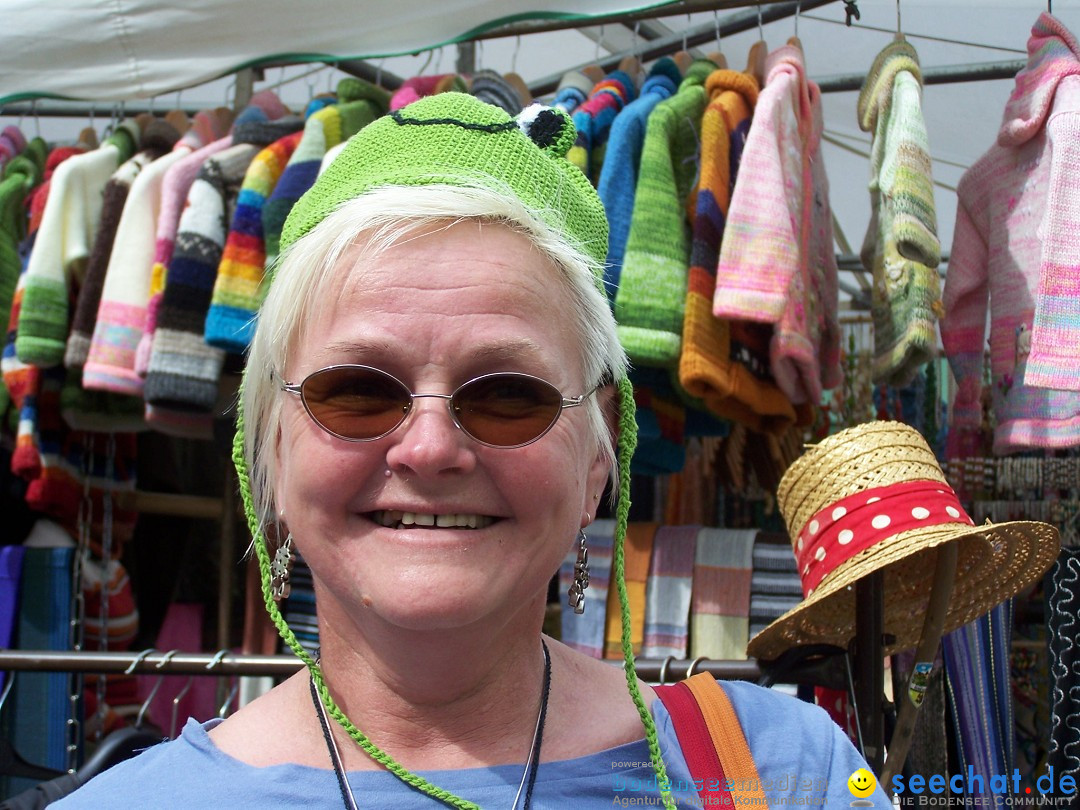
280 569
576 594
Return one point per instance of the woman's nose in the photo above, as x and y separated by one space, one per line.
429 442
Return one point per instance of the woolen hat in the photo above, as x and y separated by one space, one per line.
873 498
457 139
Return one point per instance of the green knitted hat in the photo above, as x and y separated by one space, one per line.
456 139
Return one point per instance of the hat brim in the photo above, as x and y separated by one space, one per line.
994 562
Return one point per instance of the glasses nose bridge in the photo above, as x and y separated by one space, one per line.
449 405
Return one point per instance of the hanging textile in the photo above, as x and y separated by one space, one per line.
997 252
1063 609
901 249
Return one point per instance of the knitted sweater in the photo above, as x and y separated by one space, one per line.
725 363
238 290
157 140
593 121
650 300
57 265
768 270
622 158
1054 361
901 248
1012 199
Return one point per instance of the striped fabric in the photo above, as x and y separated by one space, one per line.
775 587
593 121
667 593
977 668
585 632
238 288
720 603
637 554
299 608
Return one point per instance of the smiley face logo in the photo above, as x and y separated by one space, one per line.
861 783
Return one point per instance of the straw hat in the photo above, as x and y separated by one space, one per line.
873 498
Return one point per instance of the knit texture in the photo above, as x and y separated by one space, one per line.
650 300
997 257
622 159
573 90
1054 361
184 370
68 225
21 174
361 103
238 290
420 87
901 248
158 139
768 269
593 120
427 143
725 363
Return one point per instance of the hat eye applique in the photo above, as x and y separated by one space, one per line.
548 127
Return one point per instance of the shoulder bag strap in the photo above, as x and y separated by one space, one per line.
696 743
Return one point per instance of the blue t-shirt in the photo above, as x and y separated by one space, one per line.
802 757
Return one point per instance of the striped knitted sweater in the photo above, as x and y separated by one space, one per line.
622 159
1015 210
238 289
593 120
121 315
768 270
901 249
1054 361
158 139
68 225
725 363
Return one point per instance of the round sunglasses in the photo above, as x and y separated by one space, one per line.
362 404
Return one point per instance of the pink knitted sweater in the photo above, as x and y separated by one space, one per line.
776 261
1014 214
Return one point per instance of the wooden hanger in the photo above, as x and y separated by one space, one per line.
632 67
683 59
718 59
594 72
178 120
518 83
795 42
755 61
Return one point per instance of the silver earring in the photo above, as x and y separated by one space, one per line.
280 569
576 594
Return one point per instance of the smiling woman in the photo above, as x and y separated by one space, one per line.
434 403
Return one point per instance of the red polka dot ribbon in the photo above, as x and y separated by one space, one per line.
843 529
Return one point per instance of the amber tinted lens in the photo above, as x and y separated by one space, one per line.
506 410
355 402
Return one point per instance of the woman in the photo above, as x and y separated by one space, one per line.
430 415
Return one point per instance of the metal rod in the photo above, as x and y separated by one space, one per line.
237 664
947 74
690 37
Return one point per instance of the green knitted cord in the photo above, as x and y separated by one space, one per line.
627 445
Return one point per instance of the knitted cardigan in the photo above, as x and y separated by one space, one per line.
68 225
622 159
1054 361
238 289
158 139
1015 211
769 270
593 121
725 363
650 300
901 249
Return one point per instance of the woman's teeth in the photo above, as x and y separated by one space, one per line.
396 519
